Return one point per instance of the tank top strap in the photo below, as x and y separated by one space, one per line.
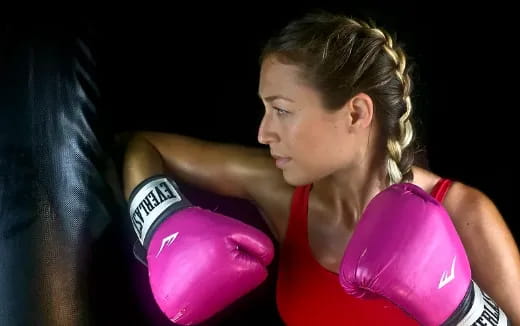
441 188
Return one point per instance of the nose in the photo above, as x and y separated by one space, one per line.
266 131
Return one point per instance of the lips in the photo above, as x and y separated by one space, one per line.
280 160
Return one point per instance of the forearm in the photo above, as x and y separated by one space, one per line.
141 160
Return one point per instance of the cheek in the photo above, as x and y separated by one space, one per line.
319 146
310 147
302 139
319 139
317 151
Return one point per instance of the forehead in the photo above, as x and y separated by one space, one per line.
277 77
273 73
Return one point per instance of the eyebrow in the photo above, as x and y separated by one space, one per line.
275 97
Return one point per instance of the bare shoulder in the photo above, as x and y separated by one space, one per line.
462 200
470 207
262 183
271 194
491 248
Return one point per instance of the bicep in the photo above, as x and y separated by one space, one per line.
492 251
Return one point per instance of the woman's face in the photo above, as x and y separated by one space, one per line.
307 141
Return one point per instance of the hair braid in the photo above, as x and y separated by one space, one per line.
399 167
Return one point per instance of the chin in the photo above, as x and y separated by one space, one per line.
296 179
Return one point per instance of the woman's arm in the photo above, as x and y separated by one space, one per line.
493 254
222 168
226 169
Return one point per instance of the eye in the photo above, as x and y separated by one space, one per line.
280 111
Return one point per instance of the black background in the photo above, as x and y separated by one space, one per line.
193 69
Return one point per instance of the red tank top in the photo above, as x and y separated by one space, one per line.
309 294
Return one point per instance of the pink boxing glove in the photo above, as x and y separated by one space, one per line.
198 261
406 249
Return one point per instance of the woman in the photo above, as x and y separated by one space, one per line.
338 124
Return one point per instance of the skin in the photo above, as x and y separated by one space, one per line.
337 152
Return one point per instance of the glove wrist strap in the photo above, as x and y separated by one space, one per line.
154 199
483 310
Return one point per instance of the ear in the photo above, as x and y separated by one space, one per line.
361 110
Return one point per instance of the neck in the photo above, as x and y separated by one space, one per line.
345 194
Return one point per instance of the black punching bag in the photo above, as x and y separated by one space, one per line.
56 195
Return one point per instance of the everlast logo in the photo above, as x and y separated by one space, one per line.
490 315
155 196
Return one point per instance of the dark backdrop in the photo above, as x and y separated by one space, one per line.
193 70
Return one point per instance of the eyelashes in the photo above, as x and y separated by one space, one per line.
280 112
